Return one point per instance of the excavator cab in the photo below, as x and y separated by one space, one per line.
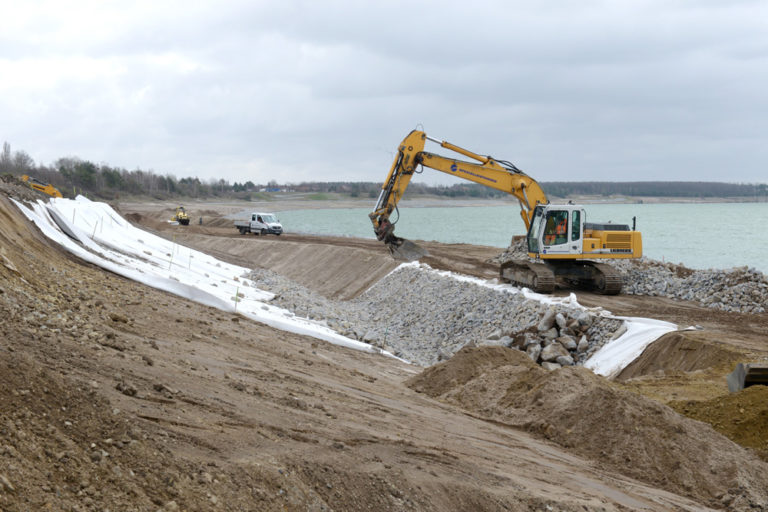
555 229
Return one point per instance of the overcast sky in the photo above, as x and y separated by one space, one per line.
325 90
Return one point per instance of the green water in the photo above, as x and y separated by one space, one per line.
720 235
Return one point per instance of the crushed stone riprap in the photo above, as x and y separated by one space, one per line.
425 316
736 290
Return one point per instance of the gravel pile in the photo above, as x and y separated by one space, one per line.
424 317
739 290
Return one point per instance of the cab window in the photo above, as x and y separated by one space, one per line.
556 228
533 231
576 225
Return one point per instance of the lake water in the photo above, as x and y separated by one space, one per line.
719 235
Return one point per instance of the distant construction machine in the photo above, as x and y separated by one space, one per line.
559 237
40 186
181 216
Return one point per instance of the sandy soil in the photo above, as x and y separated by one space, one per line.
117 396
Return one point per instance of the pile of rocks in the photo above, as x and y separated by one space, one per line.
517 250
567 337
740 289
426 316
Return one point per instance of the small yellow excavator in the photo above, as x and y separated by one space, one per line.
560 240
181 216
40 186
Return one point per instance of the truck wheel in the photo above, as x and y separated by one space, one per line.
263 232
242 231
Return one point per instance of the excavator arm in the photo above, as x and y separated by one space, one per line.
486 170
40 186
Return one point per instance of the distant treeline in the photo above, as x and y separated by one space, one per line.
558 189
691 189
72 175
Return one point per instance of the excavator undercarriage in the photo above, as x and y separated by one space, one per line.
542 277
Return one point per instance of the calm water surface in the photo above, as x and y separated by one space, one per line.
721 235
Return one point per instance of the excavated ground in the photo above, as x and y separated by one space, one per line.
117 396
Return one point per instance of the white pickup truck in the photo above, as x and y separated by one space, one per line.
260 224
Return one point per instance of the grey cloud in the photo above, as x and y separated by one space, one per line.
325 90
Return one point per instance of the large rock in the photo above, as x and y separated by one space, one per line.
533 351
491 343
530 340
584 319
553 351
550 334
547 321
506 341
567 342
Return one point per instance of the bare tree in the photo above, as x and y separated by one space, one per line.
6 165
22 162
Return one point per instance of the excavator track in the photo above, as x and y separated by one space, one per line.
536 276
542 277
607 280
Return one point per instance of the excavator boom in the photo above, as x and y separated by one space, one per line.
40 186
486 171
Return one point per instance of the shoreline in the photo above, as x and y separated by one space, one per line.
288 202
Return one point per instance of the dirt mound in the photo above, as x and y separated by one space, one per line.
19 190
218 222
135 218
594 418
682 366
470 364
741 417
681 351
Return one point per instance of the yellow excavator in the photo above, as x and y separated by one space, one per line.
40 186
560 240
181 216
